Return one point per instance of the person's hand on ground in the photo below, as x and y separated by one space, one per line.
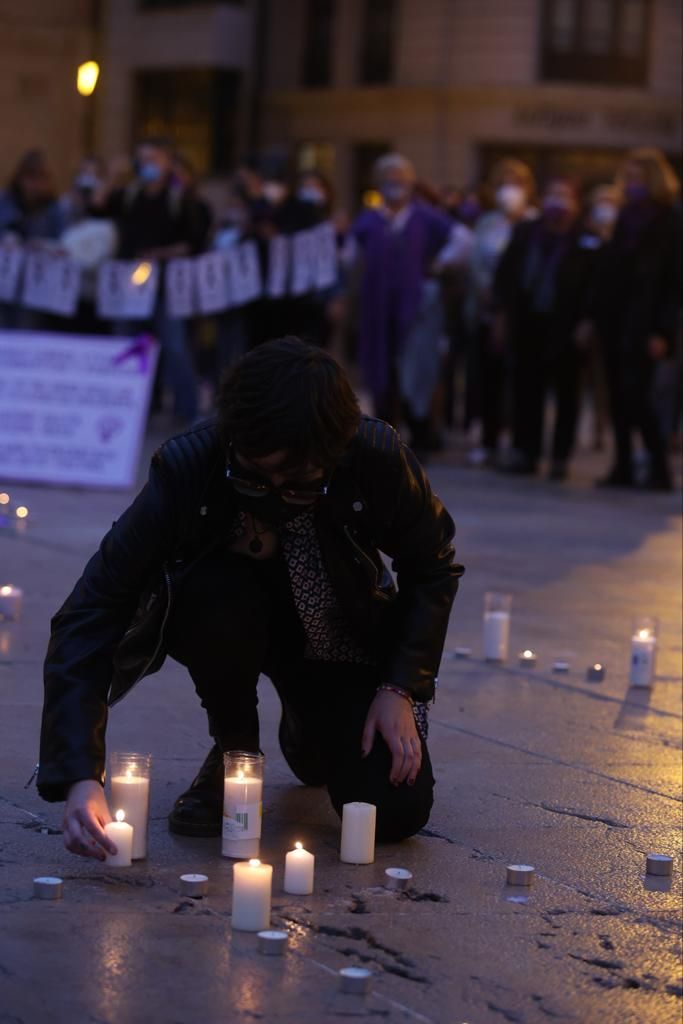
391 715
85 815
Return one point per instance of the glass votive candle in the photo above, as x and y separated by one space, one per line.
129 779
497 608
242 804
643 651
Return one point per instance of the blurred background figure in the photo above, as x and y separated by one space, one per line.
401 320
542 286
512 188
85 184
636 310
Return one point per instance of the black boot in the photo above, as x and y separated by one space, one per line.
199 810
305 763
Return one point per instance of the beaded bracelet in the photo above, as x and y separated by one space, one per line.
395 689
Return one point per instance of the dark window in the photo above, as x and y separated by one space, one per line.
196 109
364 156
603 41
377 42
151 5
317 66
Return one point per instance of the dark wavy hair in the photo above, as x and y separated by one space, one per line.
288 396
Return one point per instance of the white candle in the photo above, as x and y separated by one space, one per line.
299 870
242 798
130 792
47 888
358 833
527 659
11 600
643 656
496 635
120 833
252 885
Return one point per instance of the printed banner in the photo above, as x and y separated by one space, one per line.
278 266
73 408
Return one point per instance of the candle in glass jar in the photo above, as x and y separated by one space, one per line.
11 601
242 815
121 834
251 894
299 871
643 656
130 791
358 833
496 625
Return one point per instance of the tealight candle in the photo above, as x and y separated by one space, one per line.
463 652
659 864
47 888
527 659
496 626
120 833
251 894
195 886
520 874
397 878
130 791
272 943
11 601
299 871
358 833
354 979
595 673
643 652
560 666
242 803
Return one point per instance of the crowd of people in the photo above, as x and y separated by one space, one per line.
463 309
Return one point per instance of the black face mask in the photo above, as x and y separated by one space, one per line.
271 509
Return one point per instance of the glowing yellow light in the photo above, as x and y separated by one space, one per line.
21 512
141 273
120 815
4 498
254 863
643 634
372 198
129 774
597 667
5 591
86 77
298 846
527 654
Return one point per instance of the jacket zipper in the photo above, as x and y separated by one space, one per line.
167 577
356 546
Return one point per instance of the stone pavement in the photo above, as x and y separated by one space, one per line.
581 780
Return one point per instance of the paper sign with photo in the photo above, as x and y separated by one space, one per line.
278 266
213 288
127 289
11 262
52 283
303 262
325 257
179 286
244 271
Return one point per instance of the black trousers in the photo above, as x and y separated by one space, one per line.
491 378
630 379
233 619
542 365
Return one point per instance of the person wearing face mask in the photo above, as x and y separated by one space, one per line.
512 185
541 288
401 317
635 311
157 219
259 533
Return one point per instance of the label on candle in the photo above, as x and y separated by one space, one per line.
242 821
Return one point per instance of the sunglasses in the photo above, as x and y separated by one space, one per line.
253 486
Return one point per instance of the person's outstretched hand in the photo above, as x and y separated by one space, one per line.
392 717
85 815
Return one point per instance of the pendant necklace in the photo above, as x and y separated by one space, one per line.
256 544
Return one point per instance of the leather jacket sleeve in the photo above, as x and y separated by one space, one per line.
85 633
418 537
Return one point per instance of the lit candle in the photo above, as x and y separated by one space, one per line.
527 659
130 791
595 673
11 600
299 870
358 833
496 626
120 833
643 656
242 815
252 885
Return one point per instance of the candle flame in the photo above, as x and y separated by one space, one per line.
141 273
643 634
21 512
298 846
527 654
120 815
129 774
240 774
255 863
5 591
4 498
597 666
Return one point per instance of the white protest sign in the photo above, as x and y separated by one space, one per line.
213 288
278 266
326 271
11 262
127 289
52 283
73 408
179 288
244 272
303 262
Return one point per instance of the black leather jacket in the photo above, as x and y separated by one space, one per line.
110 631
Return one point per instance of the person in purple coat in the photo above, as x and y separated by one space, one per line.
402 245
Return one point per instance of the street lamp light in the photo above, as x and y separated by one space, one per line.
86 78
